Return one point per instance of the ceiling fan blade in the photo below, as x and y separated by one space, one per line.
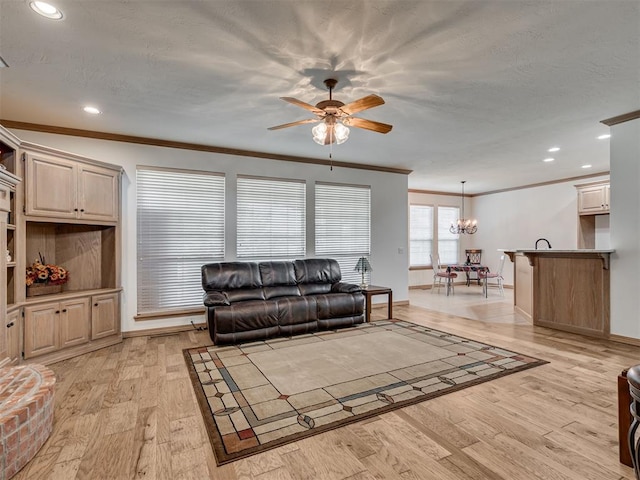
293 124
368 124
302 104
364 103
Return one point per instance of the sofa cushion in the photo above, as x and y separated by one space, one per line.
245 316
314 288
241 295
294 310
335 305
317 270
230 276
341 287
277 273
215 299
281 291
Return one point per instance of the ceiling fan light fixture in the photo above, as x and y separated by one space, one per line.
341 133
330 132
319 133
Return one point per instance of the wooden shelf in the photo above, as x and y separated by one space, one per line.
10 226
11 264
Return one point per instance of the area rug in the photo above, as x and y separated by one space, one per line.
262 395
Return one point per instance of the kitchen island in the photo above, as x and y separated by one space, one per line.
563 289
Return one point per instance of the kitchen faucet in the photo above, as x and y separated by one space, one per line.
545 240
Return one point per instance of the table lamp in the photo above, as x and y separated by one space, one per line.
363 266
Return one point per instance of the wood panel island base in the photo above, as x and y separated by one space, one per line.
569 289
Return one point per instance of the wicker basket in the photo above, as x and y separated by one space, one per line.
42 289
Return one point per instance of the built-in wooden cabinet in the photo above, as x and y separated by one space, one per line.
593 199
56 325
9 183
67 210
13 336
105 320
62 188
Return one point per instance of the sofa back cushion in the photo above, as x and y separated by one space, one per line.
244 294
314 288
277 273
317 270
230 276
281 291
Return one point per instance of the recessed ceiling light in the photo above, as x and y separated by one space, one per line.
586 166
604 137
548 160
92 110
553 149
46 10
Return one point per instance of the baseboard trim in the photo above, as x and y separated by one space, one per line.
161 331
622 339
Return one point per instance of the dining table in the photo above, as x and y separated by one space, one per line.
467 268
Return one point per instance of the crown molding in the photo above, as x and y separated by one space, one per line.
156 142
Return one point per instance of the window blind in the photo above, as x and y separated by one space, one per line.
271 222
180 220
447 241
343 226
420 235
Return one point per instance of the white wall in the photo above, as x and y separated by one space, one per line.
625 229
389 244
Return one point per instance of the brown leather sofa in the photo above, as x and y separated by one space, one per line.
253 301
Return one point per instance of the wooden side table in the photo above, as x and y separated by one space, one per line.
372 290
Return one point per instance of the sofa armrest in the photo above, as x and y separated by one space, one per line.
214 299
342 287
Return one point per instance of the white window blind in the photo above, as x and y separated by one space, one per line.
271 218
420 235
447 241
343 226
180 228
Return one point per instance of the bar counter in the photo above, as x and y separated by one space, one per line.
563 289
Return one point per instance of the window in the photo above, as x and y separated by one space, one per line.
343 226
447 241
420 235
271 218
180 228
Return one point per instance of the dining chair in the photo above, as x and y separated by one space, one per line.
473 257
496 276
439 274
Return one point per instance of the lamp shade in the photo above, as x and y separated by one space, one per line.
363 265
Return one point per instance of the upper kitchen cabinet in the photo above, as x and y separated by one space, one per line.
593 199
63 186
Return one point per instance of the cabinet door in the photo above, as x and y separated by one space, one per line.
607 193
105 316
98 193
591 200
41 329
50 187
13 337
74 322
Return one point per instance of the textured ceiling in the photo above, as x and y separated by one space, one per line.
476 90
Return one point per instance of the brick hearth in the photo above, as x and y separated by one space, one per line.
26 414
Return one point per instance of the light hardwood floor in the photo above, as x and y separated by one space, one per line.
129 411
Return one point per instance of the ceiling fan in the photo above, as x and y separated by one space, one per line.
334 117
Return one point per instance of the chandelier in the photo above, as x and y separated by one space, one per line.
464 225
